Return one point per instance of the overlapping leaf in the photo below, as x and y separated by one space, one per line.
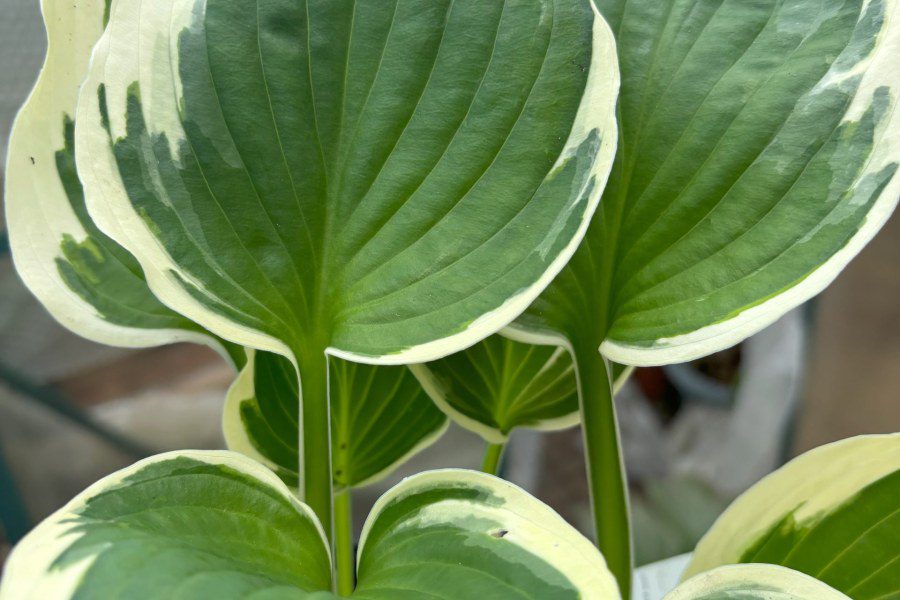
463 534
197 524
498 384
201 524
380 416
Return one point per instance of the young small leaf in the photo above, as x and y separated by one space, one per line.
499 384
380 417
831 513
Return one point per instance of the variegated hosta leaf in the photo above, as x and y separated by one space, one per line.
380 417
463 534
197 524
386 181
759 152
754 582
499 384
217 524
86 280
392 181
833 513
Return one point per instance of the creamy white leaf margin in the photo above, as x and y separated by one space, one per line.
139 30
809 486
236 435
28 574
38 212
528 522
241 389
881 70
760 581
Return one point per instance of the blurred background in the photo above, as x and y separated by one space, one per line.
695 435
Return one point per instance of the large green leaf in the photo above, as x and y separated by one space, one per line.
380 417
754 582
86 280
832 513
758 155
759 143
385 181
216 524
498 385
374 192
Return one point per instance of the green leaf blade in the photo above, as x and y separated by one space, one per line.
758 156
380 215
770 169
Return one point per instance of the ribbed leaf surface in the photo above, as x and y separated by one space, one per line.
759 152
380 178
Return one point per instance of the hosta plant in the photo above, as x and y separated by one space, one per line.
328 190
